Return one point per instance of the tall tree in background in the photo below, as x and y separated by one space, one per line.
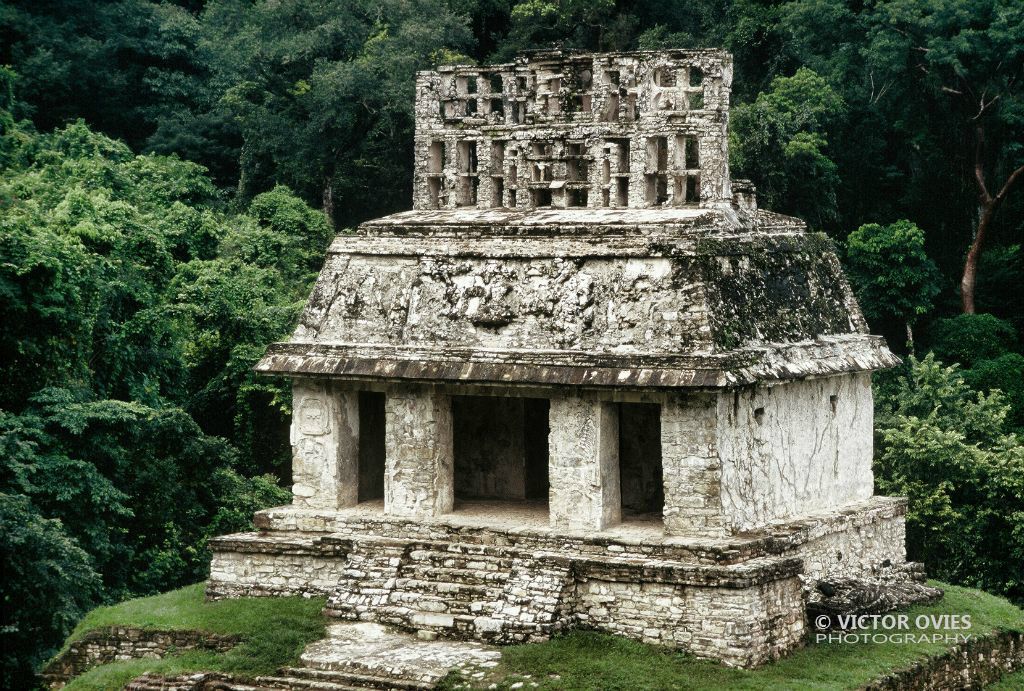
962 66
323 92
782 141
893 277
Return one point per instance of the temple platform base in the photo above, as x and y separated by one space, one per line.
495 572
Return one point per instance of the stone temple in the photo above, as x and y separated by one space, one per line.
584 382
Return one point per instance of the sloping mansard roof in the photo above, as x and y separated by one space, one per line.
602 298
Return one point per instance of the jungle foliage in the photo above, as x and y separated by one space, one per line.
131 426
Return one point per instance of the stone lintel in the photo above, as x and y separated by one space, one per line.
431 364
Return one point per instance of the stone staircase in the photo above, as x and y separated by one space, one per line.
336 680
452 590
445 588
365 655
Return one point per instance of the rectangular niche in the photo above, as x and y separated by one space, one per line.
500 447
640 471
371 445
541 197
468 175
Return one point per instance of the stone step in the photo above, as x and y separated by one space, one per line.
454 575
455 560
303 677
426 595
437 604
437 586
377 656
311 684
415 619
464 548
458 626
454 545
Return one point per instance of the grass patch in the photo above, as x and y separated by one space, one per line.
1011 682
274 632
578 660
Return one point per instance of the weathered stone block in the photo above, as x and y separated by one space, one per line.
584 463
419 475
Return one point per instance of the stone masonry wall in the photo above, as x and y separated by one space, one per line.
974 664
254 565
744 627
691 468
860 548
794 449
736 599
126 643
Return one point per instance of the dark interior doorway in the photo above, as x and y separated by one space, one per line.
640 475
371 445
501 447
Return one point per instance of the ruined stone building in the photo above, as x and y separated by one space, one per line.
584 382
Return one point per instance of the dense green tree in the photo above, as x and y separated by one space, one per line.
48 585
323 92
963 63
118 64
970 338
893 277
945 447
1000 278
1005 373
781 140
134 305
121 276
562 24
938 84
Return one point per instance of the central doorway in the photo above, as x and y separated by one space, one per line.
500 447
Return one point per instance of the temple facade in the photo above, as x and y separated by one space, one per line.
584 382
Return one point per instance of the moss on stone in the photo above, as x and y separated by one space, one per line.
774 289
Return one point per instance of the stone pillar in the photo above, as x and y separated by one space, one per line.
325 445
419 466
583 466
691 468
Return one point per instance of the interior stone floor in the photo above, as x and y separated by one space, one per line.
521 514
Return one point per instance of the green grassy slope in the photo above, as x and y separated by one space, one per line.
274 632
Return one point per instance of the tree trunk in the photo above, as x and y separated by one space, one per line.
988 205
910 338
973 255
328 201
